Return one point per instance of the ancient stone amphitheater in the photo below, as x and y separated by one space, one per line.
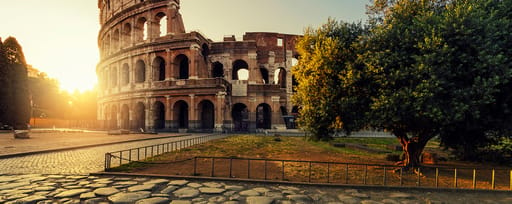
156 76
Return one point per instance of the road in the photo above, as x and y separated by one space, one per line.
79 161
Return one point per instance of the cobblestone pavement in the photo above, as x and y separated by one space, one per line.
47 189
79 161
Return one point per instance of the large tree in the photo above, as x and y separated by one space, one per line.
431 67
325 73
16 90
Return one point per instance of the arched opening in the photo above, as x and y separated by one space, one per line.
207 114
240 115
140 116
127 35
125 117
113 77
263 116
295 61
106 45
181 114
159 69
240 70
264 75
125 74
205 51
280 77
141 29
107 118
113 117
218 70
140 71
183 67
159 115
162 24
116 40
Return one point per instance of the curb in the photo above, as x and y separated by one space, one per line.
5 156
329 185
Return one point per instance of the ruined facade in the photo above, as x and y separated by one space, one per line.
155 76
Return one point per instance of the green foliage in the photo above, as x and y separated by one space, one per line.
325 72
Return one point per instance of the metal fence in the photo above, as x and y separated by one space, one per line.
118 158
351 173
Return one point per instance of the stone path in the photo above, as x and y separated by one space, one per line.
78 161
47 189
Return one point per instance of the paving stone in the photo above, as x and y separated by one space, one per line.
274 194
300 198
5 179
157 181
390 201
370 202
131 197
288 192
76 177
13 185
400 195
73 187
231 202
261 190
122 179
181 202
106 191
348 199
186 192
194 185
198 200
249 193
95 201
71 193
217 199
212 185
30 199
351 191
259 200
155 200
41 193
96 185
360 195
212 190
45 188
16 196
87 195
55 176
144 187
234 188
169 189
179 182
126 183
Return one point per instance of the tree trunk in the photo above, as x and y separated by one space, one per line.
413 148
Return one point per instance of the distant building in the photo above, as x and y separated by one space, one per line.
156 76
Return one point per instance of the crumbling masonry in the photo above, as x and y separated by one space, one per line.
155 76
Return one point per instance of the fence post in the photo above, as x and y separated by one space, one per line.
107 161
130 155
455 178
138 154
384 182
282 177
419 177
121 158
328 172
493 179
437 177
474 178
346 175
230 167
511 180
365 174
195 166
309 176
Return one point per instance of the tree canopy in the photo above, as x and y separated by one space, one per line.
424 68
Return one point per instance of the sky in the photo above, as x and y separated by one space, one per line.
59 37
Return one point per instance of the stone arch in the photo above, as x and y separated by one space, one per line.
113 117
239 67
206 114
264 75
113 77
159 115
159 69
106 45
280 77
141 29
127 35
182 67
161 20
217 70
125 117
125 74
116 39
140 116
140 71
240 115
181 114
264 116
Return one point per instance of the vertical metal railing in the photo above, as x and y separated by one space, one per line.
129 155
349 173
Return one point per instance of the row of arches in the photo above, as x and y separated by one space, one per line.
127 34
182 71
122 118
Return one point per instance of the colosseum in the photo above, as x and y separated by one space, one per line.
155 76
